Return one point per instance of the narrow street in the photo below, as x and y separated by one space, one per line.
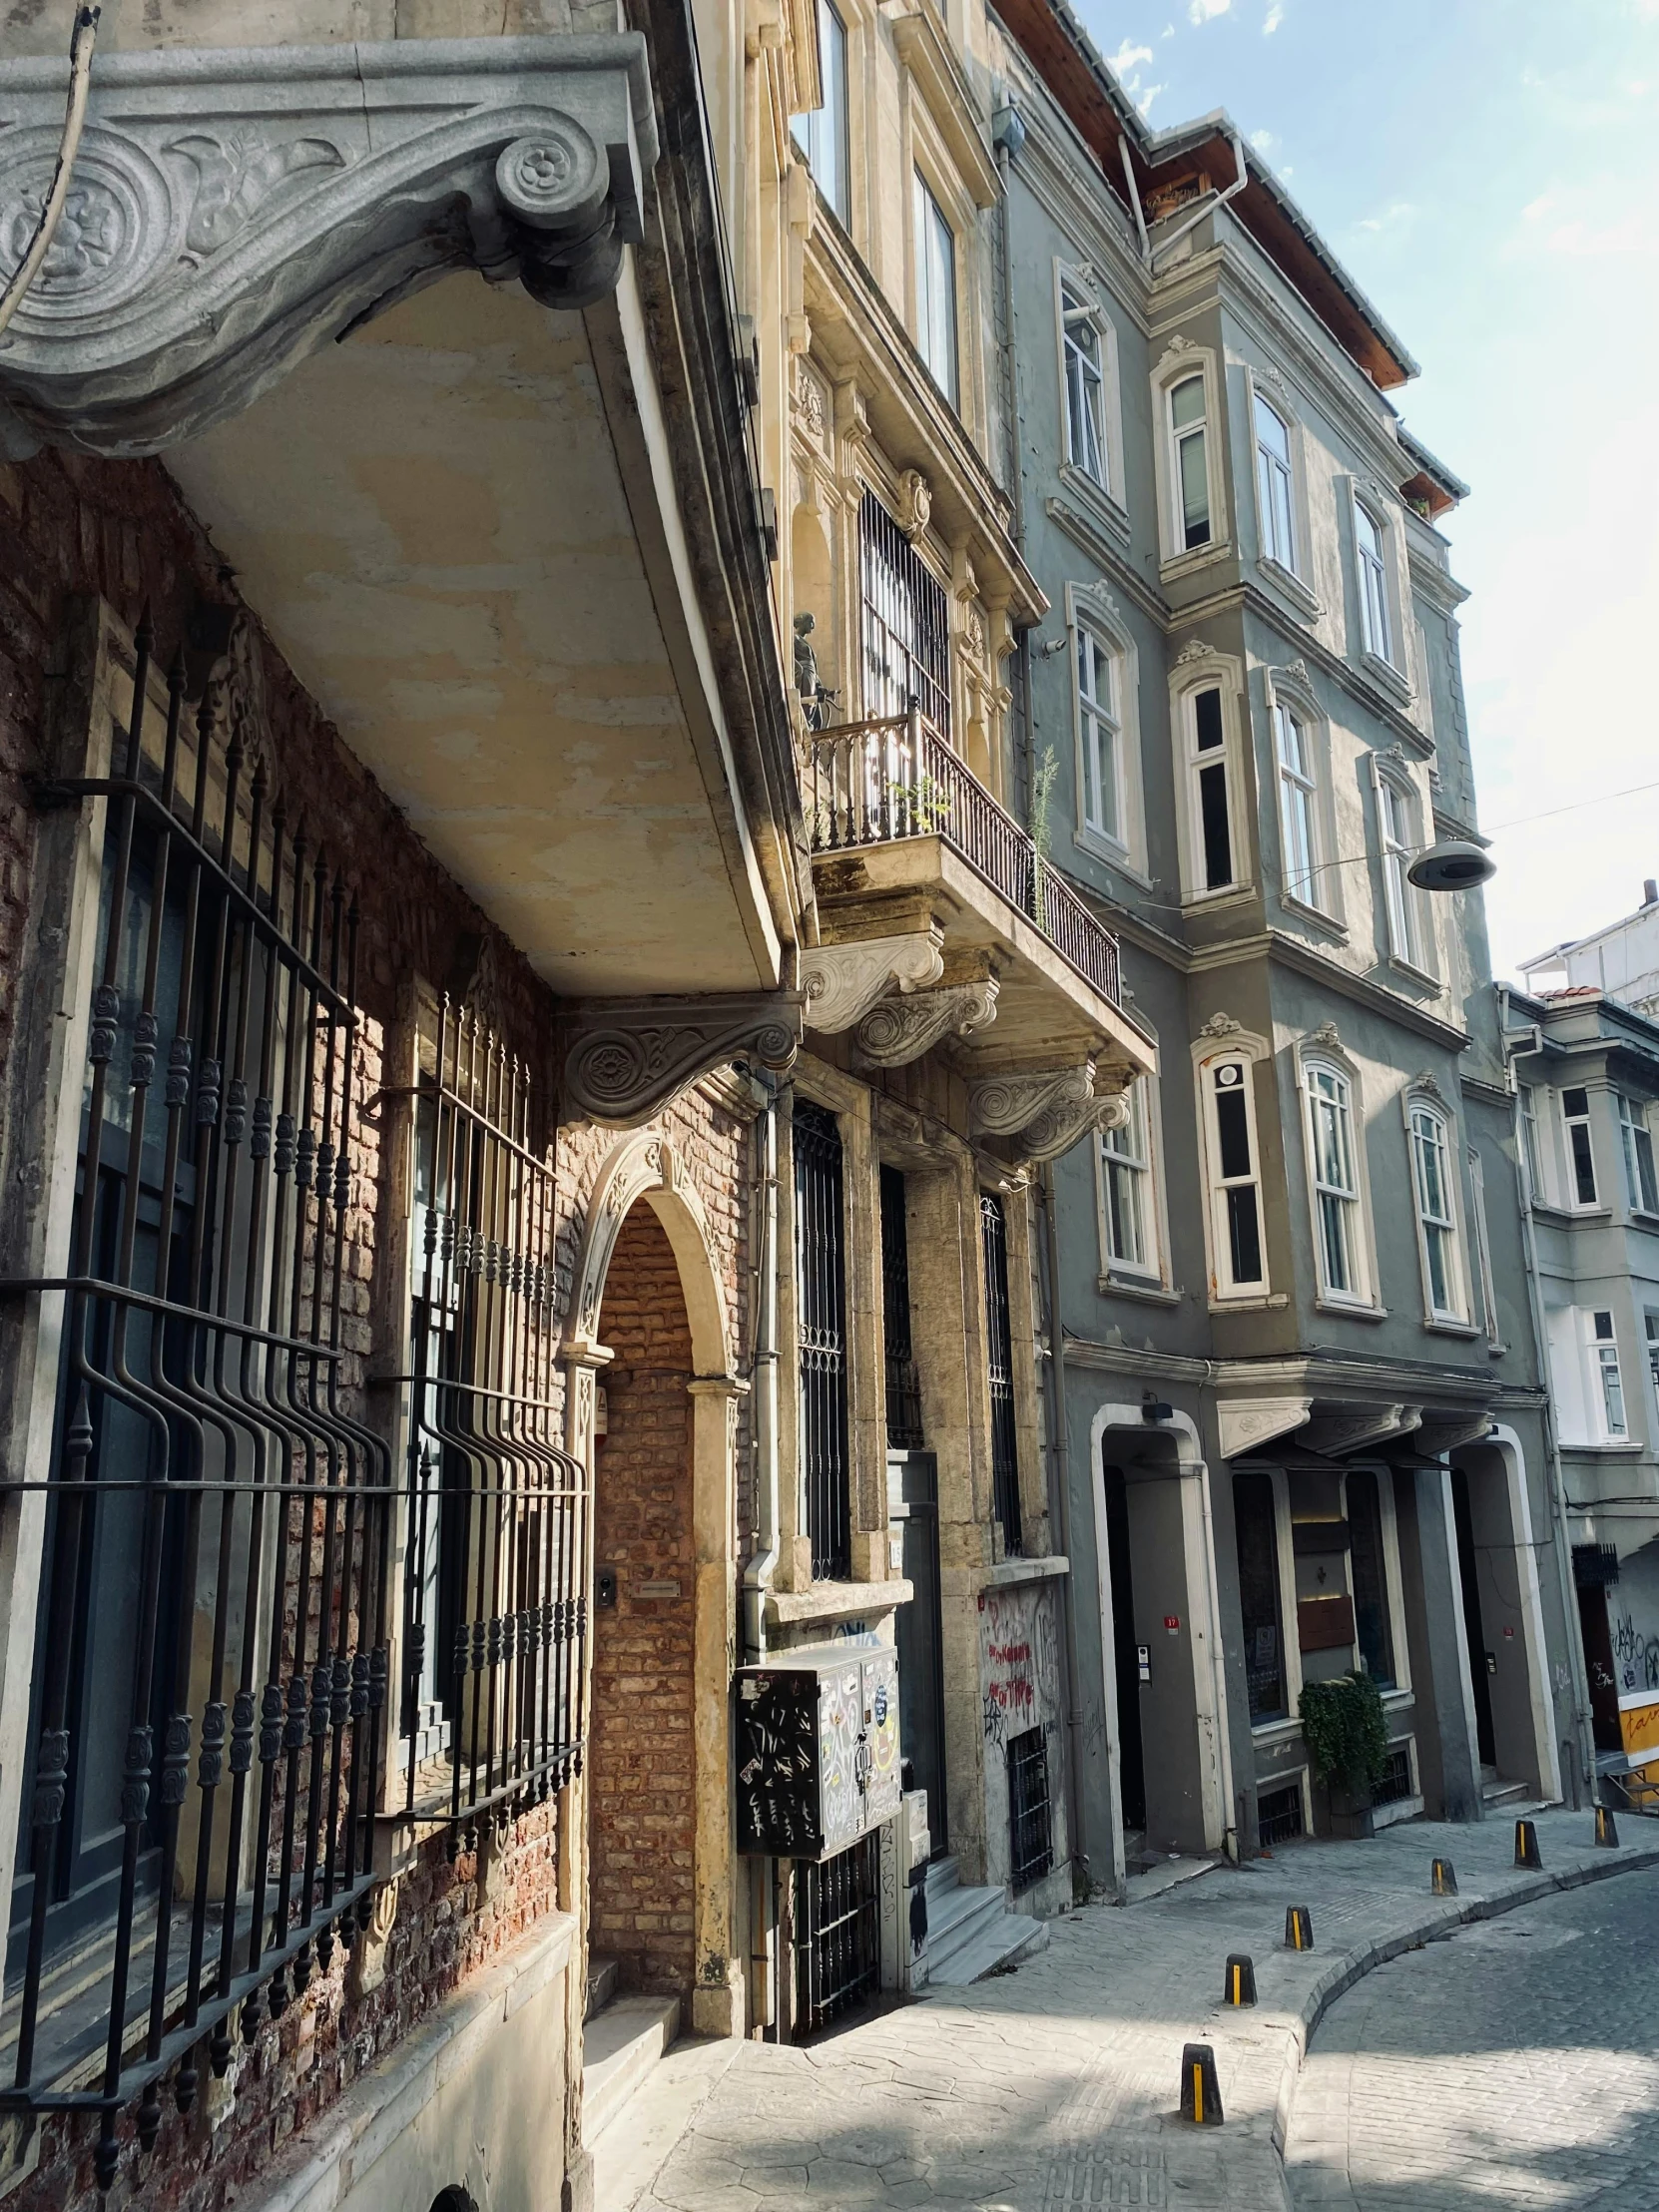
1515 2063
1056 2084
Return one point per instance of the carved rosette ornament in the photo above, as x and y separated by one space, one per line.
233 211
623 1060
841 983
899 1030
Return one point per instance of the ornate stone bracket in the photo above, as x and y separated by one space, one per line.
1244 1422
899 1030
1338 1433
841 983
1058 1127
232 211
1044 1113
626 1058
1441 1432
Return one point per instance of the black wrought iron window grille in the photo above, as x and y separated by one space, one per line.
904 1430
837 1933
1005 1505
498 1534
905 623
210 1679
1030 1821
1279 1816
821 1308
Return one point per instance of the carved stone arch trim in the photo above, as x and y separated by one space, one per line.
648 1165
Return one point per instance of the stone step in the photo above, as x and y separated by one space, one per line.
620 2045
943 1875
1001 1941
1497 1792
602 1979
972 1915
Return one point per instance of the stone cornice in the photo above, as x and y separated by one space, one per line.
233 210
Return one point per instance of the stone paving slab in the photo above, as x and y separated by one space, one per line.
1057 2086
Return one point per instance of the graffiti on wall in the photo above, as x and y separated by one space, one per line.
1636 1656
1020 1663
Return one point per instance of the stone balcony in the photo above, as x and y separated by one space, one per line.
941 924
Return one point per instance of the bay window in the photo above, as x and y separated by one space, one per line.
1207 800
1606 1379
1575 1127
1375 627
1436 1220
1636 1143
1128 1216
1238 1266
1297 806
1397 828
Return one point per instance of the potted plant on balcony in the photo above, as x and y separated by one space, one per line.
1347 1736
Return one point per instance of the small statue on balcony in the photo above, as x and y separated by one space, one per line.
815 697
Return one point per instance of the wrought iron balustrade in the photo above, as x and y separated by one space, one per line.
895 777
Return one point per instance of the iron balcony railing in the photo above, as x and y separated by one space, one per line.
880 781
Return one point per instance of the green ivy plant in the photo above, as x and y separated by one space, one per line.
1345 1731
1043 799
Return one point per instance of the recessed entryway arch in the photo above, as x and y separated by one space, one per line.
652 1320
1155 1562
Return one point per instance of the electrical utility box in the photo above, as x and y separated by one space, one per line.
817 1744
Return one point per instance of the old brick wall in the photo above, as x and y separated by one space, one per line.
72 527
642 1770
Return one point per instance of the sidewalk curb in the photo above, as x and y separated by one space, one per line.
1353 1965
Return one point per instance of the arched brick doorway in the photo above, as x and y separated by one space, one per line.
642 1795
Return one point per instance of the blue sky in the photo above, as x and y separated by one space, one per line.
1489 170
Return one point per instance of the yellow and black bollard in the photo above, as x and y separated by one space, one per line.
1241 1979
1441 1880
1299 1927
1200 2090
1526 1844
1607 1831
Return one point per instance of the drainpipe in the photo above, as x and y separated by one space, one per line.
1218 1674
80 85
763 1564
1552 1446
1207 208
1009 136
1059 1512
1135 199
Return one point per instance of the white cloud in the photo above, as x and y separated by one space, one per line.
1274 17
1169 30
1126 58
1391 217
1262 141
1144 103
1204 11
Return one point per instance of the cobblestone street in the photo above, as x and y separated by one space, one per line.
1516 2064
1057 2086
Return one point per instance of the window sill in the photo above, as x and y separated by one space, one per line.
824 1602
1217 894
1274 1301
1385 675
1009 1571
1268 1735
1441 1324
1149 1293
1410 970
1172 566
1103 505
1350 1309
1286 582
1297 909
1099 847
1620 1447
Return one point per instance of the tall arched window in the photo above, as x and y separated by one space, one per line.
1190 464
1238 1253
1273 485
1332 1154
1374 626
1431 1171
1298 805
1100 732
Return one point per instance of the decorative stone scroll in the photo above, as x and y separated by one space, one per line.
841 983
625 1059
1338 1433
232 211
899 1030
1059 1126
1003 1105
1244 1422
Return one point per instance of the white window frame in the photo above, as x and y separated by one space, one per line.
1083 382
1300 809
1428 1124
832 120
1605 1382
1133 1152
1097 695
1181 361
1576 1203
1278 535
1408 924
1484 1249
1531 1143
1641 1189
1246 1053
1377 620
939 321
1090 609
1207 672
1650 1329
1341 1103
